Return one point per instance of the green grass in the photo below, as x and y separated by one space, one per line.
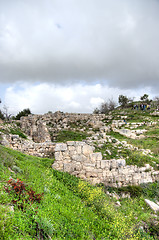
65 135
151 141
70 208
14 131
18 132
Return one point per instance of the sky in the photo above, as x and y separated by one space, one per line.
72 55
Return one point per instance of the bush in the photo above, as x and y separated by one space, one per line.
1 115
23 113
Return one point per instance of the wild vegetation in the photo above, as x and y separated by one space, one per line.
38 202
61 206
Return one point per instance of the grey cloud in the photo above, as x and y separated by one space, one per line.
69 41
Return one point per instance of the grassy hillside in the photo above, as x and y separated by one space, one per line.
69 208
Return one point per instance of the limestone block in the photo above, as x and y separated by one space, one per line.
71 148
90 165
124 171
105 164
72 153
95 181
60 147
68 167
152 205
100 175
98 164
91 174
121 162
78 143
106 173
75 173
113 164
78 149
88 169
58 156
96 156
83 176
77 167
146 180
87 150
55 165
79 158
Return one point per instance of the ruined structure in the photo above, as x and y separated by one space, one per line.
78 158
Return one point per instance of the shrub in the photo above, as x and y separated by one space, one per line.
25 112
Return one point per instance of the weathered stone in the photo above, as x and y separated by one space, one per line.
152 205
60 147
70 143
68 167
87 150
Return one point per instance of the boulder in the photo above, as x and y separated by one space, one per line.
152 205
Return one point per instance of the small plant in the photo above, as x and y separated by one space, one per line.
18 132
21 193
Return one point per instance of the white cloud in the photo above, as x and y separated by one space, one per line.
58 41
44 97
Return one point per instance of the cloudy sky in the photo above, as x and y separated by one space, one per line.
71 55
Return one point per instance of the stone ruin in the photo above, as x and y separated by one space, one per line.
39 127
78 158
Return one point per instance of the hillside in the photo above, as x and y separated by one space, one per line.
49 203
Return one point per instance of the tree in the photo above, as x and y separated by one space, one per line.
145 98
6 114
156 99
25 112
1 115
96 111
123 100
105 107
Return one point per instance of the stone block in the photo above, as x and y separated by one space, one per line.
121 162
78 149
70 143
77 167
105 164
91 174
152 205
72 153
113 164
87 150
98 164
58 156
79 158
65 154
68 167
60 147
71 148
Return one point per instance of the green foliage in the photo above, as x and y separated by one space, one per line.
18 132
145 98
2 115
105 107
23 113
70 208
66 135
136 158
123 100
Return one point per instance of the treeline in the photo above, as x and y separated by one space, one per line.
5 115
126 102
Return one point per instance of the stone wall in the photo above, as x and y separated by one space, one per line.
38 127
45 149
34 127
79 159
